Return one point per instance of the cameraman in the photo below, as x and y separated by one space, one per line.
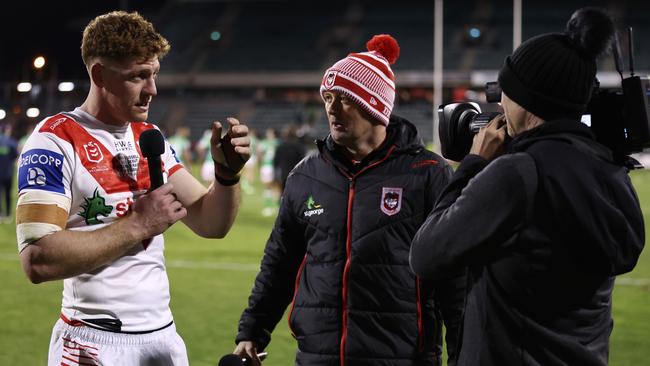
544 221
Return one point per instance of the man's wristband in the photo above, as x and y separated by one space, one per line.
225 181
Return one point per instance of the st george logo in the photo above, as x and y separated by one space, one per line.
391 200
329 79
93 207
312 208
93 152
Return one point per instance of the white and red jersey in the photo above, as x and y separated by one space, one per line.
98 171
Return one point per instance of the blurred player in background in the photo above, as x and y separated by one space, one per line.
249 173
287 155
180 142
266 152
84 214
8 155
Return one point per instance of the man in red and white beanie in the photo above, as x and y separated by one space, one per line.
366 77
339 250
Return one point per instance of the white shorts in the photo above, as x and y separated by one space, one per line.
207 171
82 345
266 174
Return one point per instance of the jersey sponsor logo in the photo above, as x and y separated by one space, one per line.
41 169
312 208
122 208
126 166
391 200
56 123
93 207
93 152
36 176
124 146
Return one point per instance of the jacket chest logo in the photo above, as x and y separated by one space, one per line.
312 208
391 200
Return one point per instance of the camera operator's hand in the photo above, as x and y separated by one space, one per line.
489 142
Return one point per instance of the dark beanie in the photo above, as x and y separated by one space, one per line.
552 75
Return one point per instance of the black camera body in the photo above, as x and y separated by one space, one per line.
458 123
619 120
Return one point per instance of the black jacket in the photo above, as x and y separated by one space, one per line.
339 251
287 155
543 229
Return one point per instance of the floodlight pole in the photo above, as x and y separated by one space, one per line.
516 24
437 69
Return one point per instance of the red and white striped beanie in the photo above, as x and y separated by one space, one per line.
366 77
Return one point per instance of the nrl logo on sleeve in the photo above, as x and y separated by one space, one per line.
312 208
391 200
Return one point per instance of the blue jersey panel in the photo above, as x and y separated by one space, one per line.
41 169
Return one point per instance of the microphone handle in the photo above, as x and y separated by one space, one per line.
246 361
155 171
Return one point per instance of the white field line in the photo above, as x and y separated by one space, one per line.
248 267
244 267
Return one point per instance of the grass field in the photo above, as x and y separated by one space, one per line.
211 280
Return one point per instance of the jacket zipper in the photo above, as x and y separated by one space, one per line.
348 249
295 293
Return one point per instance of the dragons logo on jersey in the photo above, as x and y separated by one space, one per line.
391 200
93 207
312 207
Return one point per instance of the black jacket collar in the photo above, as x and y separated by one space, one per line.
401 137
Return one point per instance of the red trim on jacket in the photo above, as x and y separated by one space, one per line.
295 293
423 163
348 248
419 310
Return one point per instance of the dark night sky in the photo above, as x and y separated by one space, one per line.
52 29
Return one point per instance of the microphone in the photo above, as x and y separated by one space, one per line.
236 360
152 146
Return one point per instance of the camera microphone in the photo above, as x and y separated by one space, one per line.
236 360
152 145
